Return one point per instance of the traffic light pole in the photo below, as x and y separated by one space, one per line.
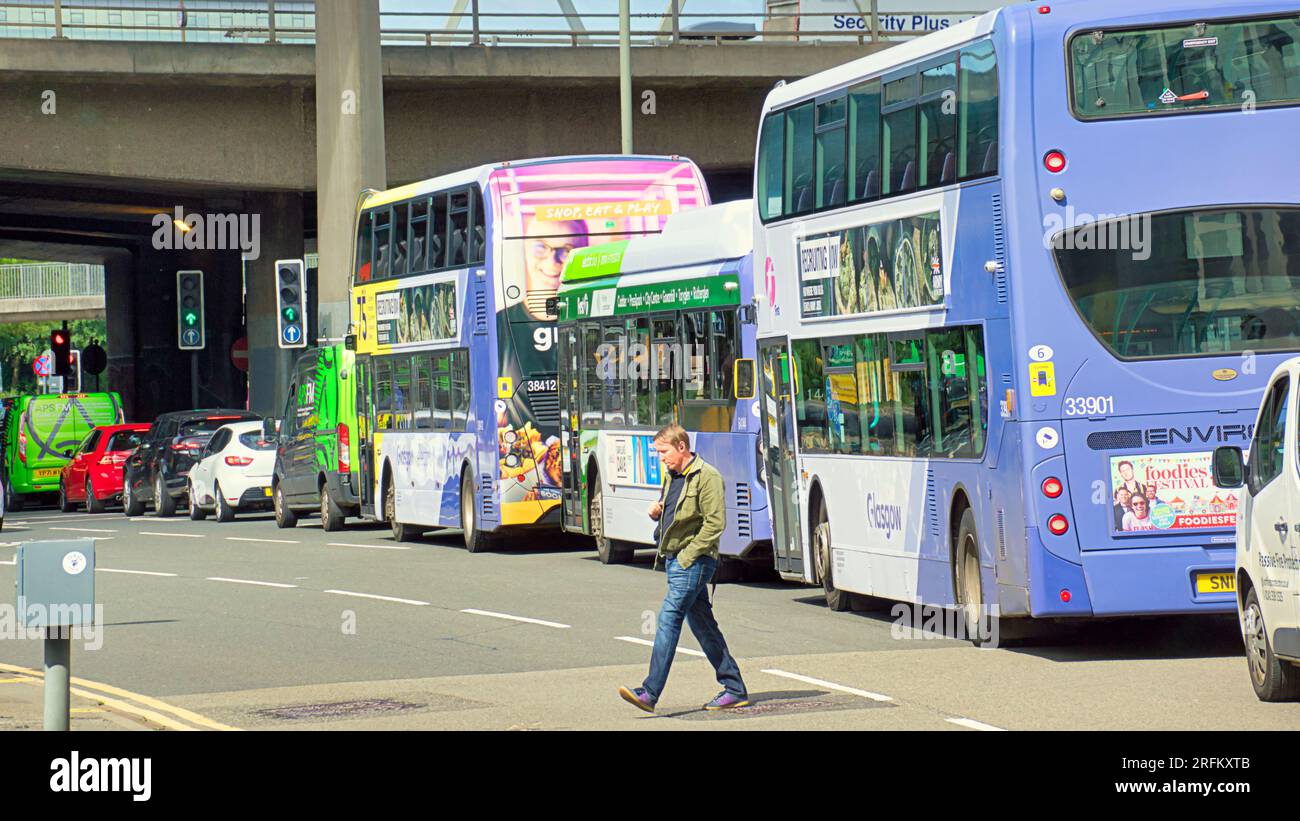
194 379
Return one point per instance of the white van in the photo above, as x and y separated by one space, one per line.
1268 538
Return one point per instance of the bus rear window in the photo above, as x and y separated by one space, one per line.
1186 67
1185 283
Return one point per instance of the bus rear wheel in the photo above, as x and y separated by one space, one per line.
401 532
1272 678
476 541
967 581
836 599
609 551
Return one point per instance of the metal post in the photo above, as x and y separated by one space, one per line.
270 21
625 71
474 21
58 19
677 21
58 666
875 21
194 378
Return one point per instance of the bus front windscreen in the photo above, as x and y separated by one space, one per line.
1186 67
1186 283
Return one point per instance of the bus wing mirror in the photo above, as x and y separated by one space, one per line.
1229 467
745 378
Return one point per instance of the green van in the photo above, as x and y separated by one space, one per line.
318 441
41 433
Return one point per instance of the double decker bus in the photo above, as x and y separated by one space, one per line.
654 330
453 284
1017 280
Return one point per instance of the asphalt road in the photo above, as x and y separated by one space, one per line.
252 626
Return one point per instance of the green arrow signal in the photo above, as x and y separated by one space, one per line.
291 314
191 318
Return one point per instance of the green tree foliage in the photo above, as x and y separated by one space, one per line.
22 342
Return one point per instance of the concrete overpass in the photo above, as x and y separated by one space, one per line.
97 138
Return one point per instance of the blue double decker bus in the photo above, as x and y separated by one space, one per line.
1015 282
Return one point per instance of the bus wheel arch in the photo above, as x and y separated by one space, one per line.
819 533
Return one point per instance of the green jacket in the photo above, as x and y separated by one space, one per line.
700 517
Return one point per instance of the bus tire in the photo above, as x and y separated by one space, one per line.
331 515
224 512
609 551
1272 678
837 600
65 506
401 532
93 505
163 503
968 583
285 518
476 541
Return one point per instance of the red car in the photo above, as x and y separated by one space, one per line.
94 476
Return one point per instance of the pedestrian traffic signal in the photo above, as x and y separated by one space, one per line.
190 332
61 347
291 302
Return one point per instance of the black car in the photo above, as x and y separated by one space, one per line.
155 471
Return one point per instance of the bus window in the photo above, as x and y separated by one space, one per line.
384 394
899 143
438 233
458 227
383 249
668 369
362 262
810 395
799 159
771 167
864 135
402 395
423 405
460 389
442 404
695 339
418 255
831 150
592 387
478 229
724 348
400 239
844 432
978 109
938 139
611 374
638 362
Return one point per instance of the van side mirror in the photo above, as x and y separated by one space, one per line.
745 378
270 428
1229 467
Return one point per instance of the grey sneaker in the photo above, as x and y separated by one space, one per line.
726 701
638 697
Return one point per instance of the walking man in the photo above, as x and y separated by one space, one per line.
692 514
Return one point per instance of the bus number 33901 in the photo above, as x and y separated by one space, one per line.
1090 406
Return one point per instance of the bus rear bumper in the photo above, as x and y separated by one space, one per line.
1151 581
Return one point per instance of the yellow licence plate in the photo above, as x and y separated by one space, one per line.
266 491
47 473
1216 583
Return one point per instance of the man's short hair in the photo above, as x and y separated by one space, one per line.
674 434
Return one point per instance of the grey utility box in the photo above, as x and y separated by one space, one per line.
56 583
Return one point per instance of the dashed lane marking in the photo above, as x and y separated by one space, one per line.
377 597
509 617
633 640
829 685
172 535
263 541
84 529
972 724
134 572
375 546
249 581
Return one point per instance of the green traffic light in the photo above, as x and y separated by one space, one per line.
290 314
191 318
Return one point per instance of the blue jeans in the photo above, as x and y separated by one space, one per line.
688 598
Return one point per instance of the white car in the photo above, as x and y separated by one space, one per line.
233 472
1268 538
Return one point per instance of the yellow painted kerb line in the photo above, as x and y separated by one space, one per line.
84 687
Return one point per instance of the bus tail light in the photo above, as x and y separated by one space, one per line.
1058 525
1065 595
1054 161
345 452
1052 487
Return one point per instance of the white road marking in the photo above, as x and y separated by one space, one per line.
11 562
829 685
264 541
84 529
134 572
62 518
509 617
376 546
249 581
688 651
972 724
158 520
377 597
13 528
172 535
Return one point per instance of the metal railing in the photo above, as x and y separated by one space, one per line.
467 22
50 280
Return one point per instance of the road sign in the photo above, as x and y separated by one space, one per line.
41 365
93 359
291 335
239 353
